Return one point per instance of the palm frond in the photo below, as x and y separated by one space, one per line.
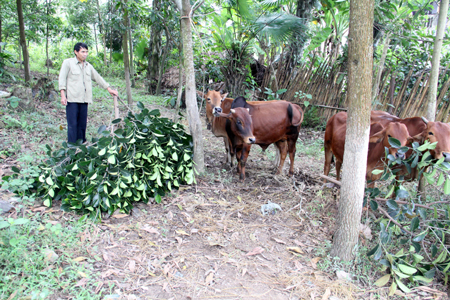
275 3
280 27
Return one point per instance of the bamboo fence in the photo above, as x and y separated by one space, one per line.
326 84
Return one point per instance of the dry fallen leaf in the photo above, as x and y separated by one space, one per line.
78 259
209 278
41 208
314 262
326 295
132 266
279 241
82 274
295 249
120 216
182 232
255 251
179 240
150 229
82 282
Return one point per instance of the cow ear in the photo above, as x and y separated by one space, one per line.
224 96
420 138
201 94
376 138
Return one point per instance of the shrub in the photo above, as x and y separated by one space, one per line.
146 158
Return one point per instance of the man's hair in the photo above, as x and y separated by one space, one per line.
78 46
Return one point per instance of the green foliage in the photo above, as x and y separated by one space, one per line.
420 233
23 124
311 118
148 157
13 101
271 95
26 244
5 58
21 181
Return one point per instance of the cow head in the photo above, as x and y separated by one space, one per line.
213 101
241 124
394 130
436 132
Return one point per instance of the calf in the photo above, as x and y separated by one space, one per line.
273 122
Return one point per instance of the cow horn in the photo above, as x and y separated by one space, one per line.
424 120
233 111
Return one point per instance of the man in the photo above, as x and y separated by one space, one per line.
75 85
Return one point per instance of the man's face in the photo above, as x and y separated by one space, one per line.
82 54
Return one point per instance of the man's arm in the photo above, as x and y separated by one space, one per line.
99 79
62 83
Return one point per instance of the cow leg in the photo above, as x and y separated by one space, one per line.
238 151
328 158
292 148
243 159
338 169
229 149
282 146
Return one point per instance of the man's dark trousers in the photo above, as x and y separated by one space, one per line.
76 114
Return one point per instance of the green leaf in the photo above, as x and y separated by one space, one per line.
403 287
447 186
102 152
376 172
49 181
112 159
393 288
140 105
383 280
422 278
394 142
392 204
414 224
47 202
4 224
407 269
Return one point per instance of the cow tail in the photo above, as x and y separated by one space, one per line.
291 116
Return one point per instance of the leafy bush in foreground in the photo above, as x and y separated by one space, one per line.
148 157
414 235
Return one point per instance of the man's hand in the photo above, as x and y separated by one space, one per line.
113 92
63 98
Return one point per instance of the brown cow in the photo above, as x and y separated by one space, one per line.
415 125
335 140
273 122
214 100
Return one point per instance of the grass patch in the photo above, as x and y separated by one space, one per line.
38 259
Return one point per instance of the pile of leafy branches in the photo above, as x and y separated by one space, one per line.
414 231
147 157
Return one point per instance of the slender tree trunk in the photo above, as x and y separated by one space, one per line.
102 32
154 53
110 33
96 41
126 62
130 39
46 42
23 42
195 125
376 85
180 82
360 51
436 60
161 67
0 26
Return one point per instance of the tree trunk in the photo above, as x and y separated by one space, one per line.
0 26
195 125
126 62
180 82
161 67
360 51
435 61
46 41
380 67
110 33
102 32
96 41
130 39
23 42
154 52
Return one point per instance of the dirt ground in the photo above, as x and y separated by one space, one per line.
211 240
